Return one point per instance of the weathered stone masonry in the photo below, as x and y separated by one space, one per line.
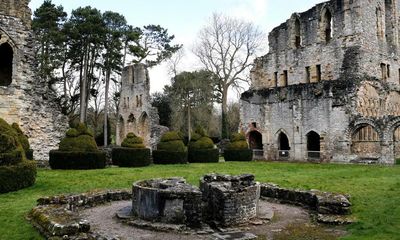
24 98
328 90
136 113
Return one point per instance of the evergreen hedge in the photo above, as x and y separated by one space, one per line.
78 150
15 171
77 160
238 149
133 153
171 149
202 148
15 177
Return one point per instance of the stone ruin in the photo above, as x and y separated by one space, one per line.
222 200
329 88
223 206
136 113
24 98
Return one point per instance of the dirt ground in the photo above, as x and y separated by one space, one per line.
288 222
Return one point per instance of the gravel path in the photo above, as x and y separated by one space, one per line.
103 221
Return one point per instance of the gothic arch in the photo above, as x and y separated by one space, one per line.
326 24
6 64
143 125
296 38
121 124
391 128
131 123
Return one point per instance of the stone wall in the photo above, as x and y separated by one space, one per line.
331 72
136 113
27 100
230 200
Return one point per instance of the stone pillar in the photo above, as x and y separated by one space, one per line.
387 153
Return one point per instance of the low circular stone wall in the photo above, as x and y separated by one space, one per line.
167 200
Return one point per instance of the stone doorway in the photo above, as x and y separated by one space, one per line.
255 143
6 62
313 145
283 146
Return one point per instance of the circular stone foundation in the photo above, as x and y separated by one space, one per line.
167 200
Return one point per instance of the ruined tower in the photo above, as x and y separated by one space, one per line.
328 90
24 98
135 111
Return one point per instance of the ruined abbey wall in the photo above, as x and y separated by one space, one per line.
24 98
332 72
136 113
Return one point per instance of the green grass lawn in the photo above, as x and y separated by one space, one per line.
375 190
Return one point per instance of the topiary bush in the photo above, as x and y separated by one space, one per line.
78 150
397 161
238 149
133 153
15 171
202 148
23 139
170 150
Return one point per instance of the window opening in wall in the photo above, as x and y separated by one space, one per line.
308 75
137 101
328 26
276 78
313 145
388 70
285 78
319 73
379 23
384 71
297 30
254 124
6 60
389 21
399 75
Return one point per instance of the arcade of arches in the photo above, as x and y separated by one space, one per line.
365 142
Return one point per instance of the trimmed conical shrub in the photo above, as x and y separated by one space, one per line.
238 149
78 150
202 148
132 152
15 171
171 149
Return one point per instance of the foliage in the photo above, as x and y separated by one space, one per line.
374 190
226 47
238 142
18 176
397 161
152 45
236 137
22 138
203 155
10 158
202 143
238 154
131 157
79 139
172 146
77 159
132 141
171 136
169 157
191 96
162 102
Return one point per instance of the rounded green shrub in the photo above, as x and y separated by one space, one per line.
78 150
15 172
202 143
132 141
23 139
170 150
171 136
238 149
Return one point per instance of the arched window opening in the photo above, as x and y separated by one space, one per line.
6 64
121 124
365 142
297 34
396 140
380 22
327 26
131 123
255 140
144 126
283 146
313 145
283 142
389 20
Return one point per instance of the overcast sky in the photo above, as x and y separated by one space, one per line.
184 19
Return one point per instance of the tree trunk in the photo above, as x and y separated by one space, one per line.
108 74
189 120
224 107
83 90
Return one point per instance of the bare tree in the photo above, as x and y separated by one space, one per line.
226 47
174 61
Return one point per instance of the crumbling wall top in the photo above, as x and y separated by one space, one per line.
16 8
